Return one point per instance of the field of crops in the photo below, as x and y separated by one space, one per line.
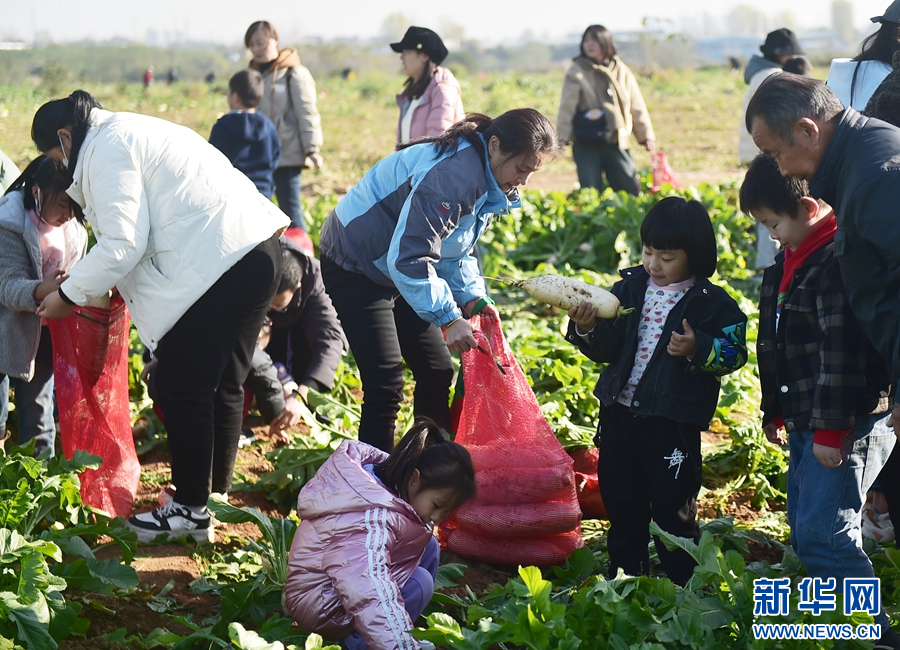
75 580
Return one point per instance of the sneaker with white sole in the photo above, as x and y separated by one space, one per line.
172 520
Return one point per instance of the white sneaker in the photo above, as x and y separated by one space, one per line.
172 520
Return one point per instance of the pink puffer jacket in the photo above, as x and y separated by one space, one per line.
441 107
357 545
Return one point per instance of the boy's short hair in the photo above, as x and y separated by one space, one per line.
291 271
675 223
798 65
764 187
248 86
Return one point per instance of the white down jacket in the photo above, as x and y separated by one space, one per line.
171 215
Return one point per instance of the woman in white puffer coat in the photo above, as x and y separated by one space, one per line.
193 248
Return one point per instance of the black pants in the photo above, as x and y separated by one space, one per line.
650 468
593 159
383 331
203 362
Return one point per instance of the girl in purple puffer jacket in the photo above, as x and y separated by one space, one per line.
364 559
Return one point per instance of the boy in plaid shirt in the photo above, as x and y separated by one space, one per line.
822 381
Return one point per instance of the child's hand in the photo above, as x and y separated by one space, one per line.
683 345
50 285
775 434
54 307
285 420
829 457
584 316
149 368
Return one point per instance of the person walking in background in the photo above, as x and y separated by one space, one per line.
289 100
854 80
397 263
41 237
193 248
780 46
431 101
148 78
601 106
246 137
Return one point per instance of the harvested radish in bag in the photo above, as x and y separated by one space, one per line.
526 509
90 359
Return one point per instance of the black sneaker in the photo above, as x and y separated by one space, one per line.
889 640
172 520
247 438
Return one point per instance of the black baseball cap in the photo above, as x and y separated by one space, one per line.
423 40
782 42
891 14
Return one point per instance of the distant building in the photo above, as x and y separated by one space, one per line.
14 45
842 21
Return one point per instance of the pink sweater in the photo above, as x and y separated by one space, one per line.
441 107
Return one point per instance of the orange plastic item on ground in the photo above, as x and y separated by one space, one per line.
532 515
90 351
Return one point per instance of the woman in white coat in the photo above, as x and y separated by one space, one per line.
854 80
193 248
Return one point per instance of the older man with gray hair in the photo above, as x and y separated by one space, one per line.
853 163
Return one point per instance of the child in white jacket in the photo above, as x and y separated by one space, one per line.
41 237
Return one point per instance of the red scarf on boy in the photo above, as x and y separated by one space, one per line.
793 260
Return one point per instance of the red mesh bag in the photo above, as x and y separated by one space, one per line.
662 172
90 350
586 484
526 510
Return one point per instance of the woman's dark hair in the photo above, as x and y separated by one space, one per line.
442 464
674 224
881 45
73 113
603 36
520 131
413 88
765 188
265 25
291 271
51 177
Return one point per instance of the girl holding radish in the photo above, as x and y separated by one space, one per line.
364 559
661 385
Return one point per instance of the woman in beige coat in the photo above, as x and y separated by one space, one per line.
601 107
290 102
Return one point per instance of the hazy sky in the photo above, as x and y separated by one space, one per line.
487 20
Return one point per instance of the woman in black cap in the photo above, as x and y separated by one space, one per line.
431 101
854 80
779 47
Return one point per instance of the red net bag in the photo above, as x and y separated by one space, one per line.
526 510
662 172
587 484
90 350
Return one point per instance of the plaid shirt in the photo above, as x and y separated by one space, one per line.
818 371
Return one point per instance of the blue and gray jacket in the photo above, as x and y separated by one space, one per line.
411 223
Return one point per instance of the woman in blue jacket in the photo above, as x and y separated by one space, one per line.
397 263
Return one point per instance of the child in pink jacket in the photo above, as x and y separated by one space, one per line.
364 559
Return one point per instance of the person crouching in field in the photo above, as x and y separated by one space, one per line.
248 138
41 237
661 387
364 559
822 380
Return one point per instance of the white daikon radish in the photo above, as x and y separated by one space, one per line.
566 293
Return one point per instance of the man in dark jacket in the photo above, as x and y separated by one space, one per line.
302 347
852 163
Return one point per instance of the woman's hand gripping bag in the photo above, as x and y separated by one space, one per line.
526 510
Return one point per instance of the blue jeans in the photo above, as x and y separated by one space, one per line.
416 593
287 189
825 504
34 400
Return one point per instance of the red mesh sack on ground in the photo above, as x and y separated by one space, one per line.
662 172
90 350
526 510
586 483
